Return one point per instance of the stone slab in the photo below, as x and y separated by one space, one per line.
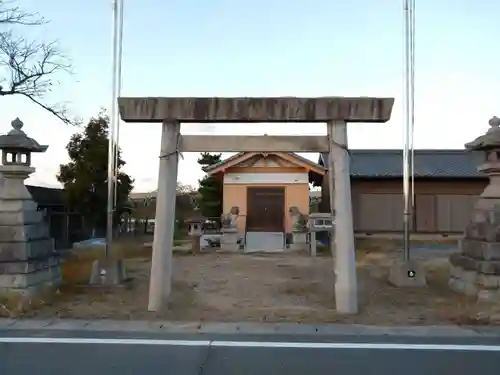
399 274
488 281
19 251
20 217
16 205
22 267
26 280
23 233
488 295
482 250
257 109
471 264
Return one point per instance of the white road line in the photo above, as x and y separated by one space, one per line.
249 344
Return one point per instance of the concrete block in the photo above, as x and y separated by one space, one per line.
20 217
14 251
30 266
108 272
488 281
26 280
407 274
488 295
23 233
480 250
8 205
488 267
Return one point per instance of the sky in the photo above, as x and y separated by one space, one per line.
266 48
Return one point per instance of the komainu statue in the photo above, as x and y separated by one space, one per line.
228 221
299 220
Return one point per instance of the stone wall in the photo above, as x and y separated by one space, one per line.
475 271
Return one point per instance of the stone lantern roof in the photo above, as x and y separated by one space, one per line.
488 141
17 140
197 218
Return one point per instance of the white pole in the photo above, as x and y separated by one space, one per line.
412 108
118 93
406 111
111 149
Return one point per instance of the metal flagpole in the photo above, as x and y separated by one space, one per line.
111 159
412 109
118 93
406 111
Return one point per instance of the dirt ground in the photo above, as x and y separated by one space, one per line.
276 288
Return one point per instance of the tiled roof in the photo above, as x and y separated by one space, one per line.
45 196
428 163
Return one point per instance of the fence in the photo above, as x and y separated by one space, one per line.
211 225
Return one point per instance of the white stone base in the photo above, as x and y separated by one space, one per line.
299 242
229 241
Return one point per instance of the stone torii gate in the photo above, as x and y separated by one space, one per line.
334 111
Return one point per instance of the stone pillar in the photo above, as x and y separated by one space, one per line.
342 244
29 268
160 283
195 231
299 241
229 231
229 240
475 270
299 229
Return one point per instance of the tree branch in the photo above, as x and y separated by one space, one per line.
29 68
11 14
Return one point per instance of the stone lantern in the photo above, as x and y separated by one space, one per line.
475 270
28 267
16 167
195 231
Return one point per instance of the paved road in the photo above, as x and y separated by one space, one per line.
84 353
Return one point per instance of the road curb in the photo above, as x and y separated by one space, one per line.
244 328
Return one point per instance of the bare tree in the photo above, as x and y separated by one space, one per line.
29 68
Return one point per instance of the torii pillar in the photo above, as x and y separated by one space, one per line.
335 111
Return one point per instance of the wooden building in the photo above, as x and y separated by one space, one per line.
264 186
447 184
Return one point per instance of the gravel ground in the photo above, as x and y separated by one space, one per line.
278 288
